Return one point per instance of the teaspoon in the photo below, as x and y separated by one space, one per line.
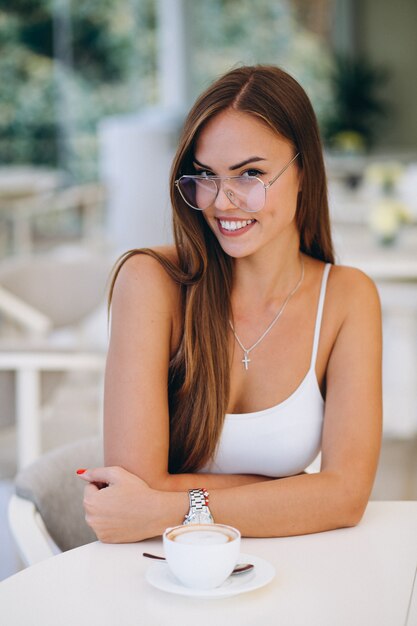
241 568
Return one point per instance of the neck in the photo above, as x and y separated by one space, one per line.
265 279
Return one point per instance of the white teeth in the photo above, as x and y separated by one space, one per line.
235 225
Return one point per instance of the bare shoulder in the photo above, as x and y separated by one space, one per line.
354 294
143 277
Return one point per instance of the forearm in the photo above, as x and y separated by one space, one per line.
297 505
276 508
183 482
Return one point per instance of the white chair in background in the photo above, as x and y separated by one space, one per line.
54 320
65 287
37 216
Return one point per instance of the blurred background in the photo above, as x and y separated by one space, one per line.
92 99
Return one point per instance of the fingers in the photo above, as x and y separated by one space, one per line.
100 475
82 474
89 490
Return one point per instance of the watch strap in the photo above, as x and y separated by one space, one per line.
199 498
199 501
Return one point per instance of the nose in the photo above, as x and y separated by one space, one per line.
222 201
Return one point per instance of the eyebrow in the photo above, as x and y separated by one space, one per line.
252 159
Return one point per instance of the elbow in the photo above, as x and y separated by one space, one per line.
355 502
354 513
351 500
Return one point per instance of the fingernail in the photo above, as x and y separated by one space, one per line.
81 471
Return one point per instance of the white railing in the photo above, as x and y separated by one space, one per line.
28 366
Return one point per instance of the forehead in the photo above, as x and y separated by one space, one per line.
232 135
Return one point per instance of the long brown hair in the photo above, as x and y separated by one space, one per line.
199 371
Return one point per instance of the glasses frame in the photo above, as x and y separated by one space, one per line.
229 195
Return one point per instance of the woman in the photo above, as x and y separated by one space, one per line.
238 354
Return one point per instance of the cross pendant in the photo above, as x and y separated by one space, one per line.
246 361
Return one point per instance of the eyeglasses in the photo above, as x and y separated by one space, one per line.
244 192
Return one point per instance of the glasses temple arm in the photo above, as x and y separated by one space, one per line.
282 171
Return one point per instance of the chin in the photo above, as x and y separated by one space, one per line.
236 253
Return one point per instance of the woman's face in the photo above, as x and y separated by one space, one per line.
238 144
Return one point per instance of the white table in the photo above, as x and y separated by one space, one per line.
362 576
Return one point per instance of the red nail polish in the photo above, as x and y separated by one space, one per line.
81 471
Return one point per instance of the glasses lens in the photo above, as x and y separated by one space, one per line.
199 193
245 193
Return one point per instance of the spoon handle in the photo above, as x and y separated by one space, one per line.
153 556
241 568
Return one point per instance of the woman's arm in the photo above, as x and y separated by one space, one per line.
335 497
145 327
338 495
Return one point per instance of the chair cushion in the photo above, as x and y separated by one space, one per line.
52 484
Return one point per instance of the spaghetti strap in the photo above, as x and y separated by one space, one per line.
319 314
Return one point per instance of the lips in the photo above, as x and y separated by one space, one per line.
234 226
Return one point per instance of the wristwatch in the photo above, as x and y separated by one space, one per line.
199 512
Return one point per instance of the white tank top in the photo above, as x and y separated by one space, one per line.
282 440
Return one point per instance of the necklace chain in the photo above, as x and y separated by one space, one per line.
246 351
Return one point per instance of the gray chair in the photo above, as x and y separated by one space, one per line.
46 513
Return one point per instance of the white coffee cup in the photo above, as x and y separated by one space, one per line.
202 556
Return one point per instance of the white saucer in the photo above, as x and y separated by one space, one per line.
159 575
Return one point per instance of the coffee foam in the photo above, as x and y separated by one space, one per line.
194 534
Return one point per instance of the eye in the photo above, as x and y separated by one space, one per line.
252 172
203 173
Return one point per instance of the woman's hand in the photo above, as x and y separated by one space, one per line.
120 507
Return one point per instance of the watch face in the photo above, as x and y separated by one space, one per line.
200 518
205 518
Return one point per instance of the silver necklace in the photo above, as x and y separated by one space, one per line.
246 360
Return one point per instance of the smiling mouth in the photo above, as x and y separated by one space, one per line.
234 226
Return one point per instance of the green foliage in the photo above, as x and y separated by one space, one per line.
26 9
112 66
226 33
358 107
26 110
97 82
101 36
